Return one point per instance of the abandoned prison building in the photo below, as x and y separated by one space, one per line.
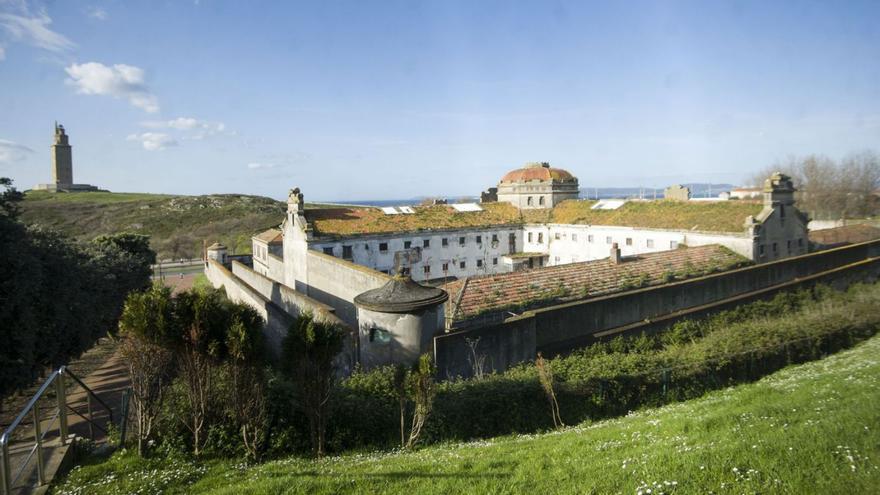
529 269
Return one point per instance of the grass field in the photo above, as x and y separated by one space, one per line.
811 428
176 224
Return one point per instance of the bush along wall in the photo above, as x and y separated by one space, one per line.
615 377
57 296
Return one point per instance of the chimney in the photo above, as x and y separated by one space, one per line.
615 254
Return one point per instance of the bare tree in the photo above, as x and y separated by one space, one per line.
148 366
545 376
423 392
478 361
146 325
828 189
399 382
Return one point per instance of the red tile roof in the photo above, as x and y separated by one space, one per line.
848 234
537 171
539 287
271 236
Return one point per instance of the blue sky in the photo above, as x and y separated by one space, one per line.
373 100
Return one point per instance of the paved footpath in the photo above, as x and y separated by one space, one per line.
108 383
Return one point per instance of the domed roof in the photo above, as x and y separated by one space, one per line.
538 171
401 294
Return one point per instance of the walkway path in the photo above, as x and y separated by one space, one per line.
108 383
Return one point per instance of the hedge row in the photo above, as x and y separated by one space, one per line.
57 297
613 378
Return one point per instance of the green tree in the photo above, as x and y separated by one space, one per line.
247 404
9 199
148 328
308 354
57 297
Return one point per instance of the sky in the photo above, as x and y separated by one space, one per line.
368 100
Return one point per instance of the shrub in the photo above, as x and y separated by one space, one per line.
617 376
308 354
57 297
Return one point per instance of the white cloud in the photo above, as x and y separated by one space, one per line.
153 141
258 165
12 152
34 30
98 13
199 129
2 53
118 81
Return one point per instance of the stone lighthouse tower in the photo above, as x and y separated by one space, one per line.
62 166
62 159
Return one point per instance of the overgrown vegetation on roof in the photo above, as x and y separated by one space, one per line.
355 221
710 216
721 216
540 287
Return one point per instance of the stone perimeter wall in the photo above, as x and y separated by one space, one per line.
561 328
279 306
336 282
277 320
284 297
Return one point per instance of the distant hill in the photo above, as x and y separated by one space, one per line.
698 190
176 224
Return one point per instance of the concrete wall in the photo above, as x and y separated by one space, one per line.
275 267
502 346
541 194
277 320
478 249
292 302
570 322
336 282
563 327
388 338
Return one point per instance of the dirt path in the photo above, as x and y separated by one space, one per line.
82 366
108 382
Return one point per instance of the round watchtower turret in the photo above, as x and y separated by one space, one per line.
397 322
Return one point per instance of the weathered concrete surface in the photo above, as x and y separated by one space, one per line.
336 282
559 328
277 320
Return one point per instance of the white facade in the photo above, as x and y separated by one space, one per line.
565 243
439 254
778 231
266 256
537 186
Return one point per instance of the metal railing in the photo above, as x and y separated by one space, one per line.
8 475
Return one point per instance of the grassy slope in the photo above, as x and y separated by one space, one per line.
177 224
812 428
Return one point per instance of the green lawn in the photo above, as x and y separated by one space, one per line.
93 197
811 428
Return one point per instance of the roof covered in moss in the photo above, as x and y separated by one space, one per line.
360 221
720 216
541 287
707 216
